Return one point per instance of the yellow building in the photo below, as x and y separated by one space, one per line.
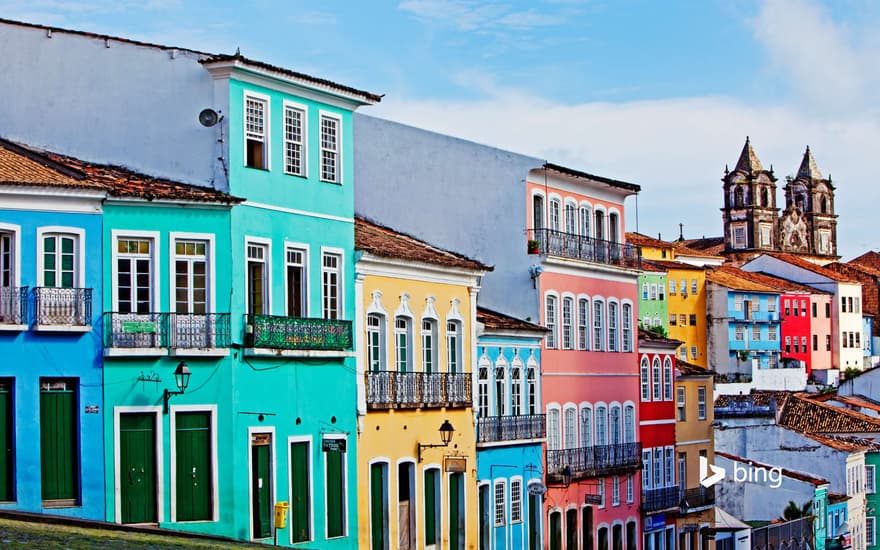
686 302
416 436
652 249
694 439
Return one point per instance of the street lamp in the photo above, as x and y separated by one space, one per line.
446 431
181 378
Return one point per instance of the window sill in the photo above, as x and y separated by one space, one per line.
261 170
62 328
4 327
200 352
305 353
135 352
304 177
339 183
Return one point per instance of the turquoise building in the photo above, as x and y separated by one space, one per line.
511 427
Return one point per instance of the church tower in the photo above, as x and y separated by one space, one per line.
750 215
808 225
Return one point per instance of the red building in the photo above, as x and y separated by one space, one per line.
660 490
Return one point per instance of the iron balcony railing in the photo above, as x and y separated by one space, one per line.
13 305
697 498
63 306
571 245
794 534
163 330
297 333
661 498
598 460
509 428
392 389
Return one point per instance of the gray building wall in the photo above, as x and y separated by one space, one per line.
455 194
109 101
719 331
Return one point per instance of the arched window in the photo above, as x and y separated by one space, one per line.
569 429
516 388
626 333
483 389
667 379
598 326
737 196
586 427
376 342
571 221
614 425
599 226
567 323
553 439
453 346
601 425
429 345
554 214
538 212
656 376
824 204
629 424
585 221
583 324
550 321
500 390
614 227
645 379
532 389
403 343
612 326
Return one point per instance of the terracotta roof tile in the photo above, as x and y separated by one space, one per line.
760 398
809 266
18 166
644 240
667 265
793 474
778 283
499 321
835 498
689 369
845 443
649 336
730 277
684 250
386 242
714 246
813 417
870 259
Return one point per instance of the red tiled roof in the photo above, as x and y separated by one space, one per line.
20 165
760 398
869 259
778 283
652 268
386 242
793 474
685 250
667 265
835 498
689 369
499 321
651 337
709 245
809 266
845 443
644 240
731 278
813 417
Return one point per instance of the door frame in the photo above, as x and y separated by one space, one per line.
301 439
156 411
250 473
172 428
385 461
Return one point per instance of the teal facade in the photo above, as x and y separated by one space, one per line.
653 308
872 466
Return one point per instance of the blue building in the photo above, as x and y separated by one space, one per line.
51 395
510 430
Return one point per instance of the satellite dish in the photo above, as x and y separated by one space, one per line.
209 117
536 488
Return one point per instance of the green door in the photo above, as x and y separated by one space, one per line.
7 456
194 478
137 467
378 510
534 517
335 496
456 525
59 448
261 485
299 484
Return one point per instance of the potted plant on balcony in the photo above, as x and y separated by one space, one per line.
533 246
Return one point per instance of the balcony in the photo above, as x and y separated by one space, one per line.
13 308
654 500
297 334
157 333
595 461
697 498
494 429
570 245
393 390
63 309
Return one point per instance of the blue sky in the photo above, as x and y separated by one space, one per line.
658 93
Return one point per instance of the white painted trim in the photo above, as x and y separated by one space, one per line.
311 467
211 254
340 150
155 249
656 422
263 241
369 264
346 523
307 264
342 275
215 462
267 127
54 199
117 459
304 109
250 474
15 229
694 442
317 215
80 252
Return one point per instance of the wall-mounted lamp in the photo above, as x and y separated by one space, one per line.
181 377
446 431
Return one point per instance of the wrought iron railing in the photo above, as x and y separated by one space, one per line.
572 245
794 534
13 305
509 428
697 497
661 498
392 389
63 306
592 461
163 330
297 333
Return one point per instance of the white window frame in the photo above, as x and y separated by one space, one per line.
567 319
667 379
431 353
701 403
211 272
554 214
267 128
570 427
453 343
583 321
615 491
380 348
680 404
626 327
870 479
516 378
516 500
302 248
155 251
870 530
484 365
14 231
406 331
499 502
79 252
656 380
266 244
613 323
586 423
303 111
672 287
338 253
645 378
630 489
554 427
598 325
551 320
326 115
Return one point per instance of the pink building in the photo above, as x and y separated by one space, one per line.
587 282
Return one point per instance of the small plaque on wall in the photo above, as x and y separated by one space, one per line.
455 464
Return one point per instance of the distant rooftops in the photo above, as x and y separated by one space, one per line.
793 474
809 266
500 321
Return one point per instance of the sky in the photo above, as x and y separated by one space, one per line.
662 94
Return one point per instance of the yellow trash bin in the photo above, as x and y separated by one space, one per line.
281 514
